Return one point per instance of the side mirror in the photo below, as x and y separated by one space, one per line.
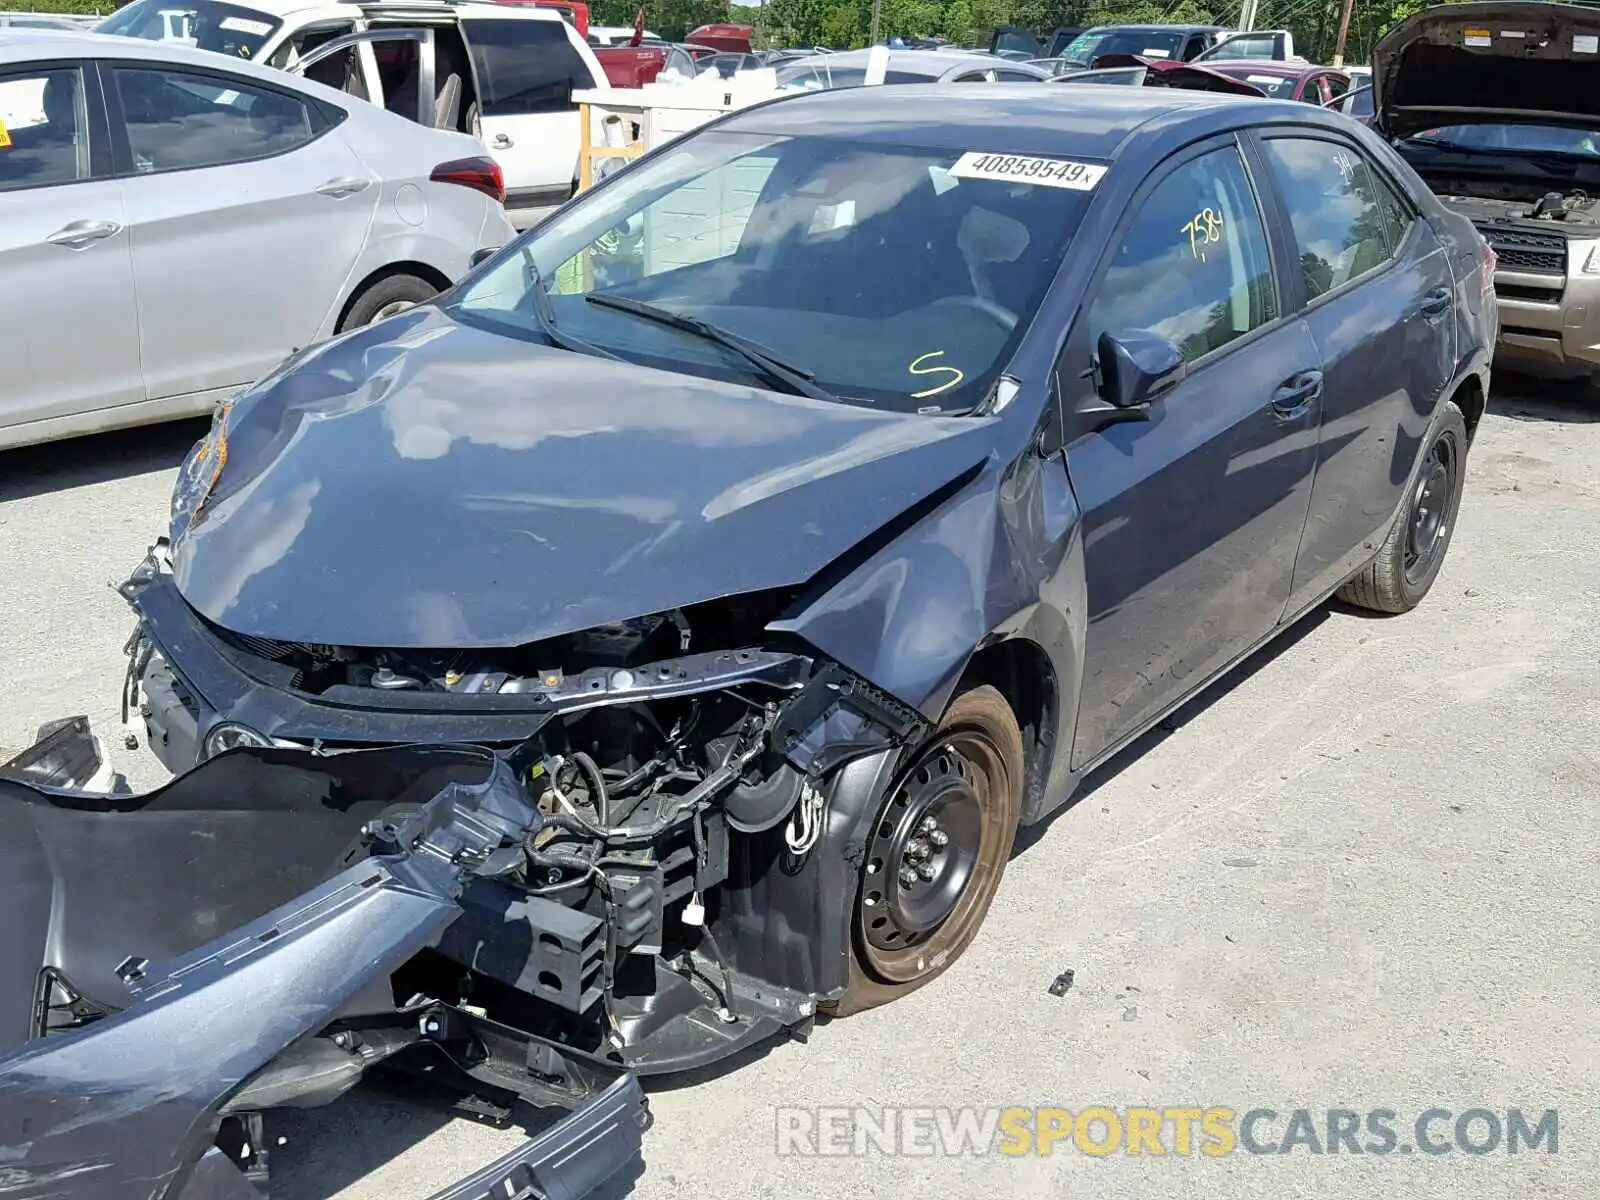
482 256
1135 367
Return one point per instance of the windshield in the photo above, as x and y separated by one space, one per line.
1151 43
1538 139
815 75
225 28
874 268
1278 87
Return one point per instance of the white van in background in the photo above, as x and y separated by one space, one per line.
502 73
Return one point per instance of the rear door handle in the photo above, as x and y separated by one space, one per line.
1436 303
83 233
1297 393
343 186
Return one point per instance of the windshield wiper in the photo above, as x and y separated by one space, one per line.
544 312
796 378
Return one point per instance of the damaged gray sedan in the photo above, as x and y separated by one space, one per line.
811 504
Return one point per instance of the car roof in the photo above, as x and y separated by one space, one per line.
920 62
284 9
30 45
1161 28
1007 118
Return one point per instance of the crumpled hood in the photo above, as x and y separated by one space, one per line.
427 484
1499 63
1180 75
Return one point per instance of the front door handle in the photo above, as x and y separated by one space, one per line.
501 142
1297 394
1436 303
344 186
83 233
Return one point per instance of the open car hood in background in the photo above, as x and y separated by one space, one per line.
1489 63
1163 72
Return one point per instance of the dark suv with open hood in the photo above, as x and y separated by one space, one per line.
1497 107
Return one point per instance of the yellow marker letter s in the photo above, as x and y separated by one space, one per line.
916 368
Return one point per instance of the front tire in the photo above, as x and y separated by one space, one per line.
937 852
387 297
1405 568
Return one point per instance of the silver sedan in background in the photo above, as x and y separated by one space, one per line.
174 223
849 69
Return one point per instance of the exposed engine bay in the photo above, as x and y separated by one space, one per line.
681 764
1498 202
541 668
629 889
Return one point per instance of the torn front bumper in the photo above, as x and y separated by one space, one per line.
125 1054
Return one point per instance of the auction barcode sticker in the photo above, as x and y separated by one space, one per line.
1019 168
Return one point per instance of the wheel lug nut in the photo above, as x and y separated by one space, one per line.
928 825
917 849
939 838
926 872
908 876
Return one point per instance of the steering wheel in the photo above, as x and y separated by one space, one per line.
1003 317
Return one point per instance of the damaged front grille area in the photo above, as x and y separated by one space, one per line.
681 766
645 808
554 670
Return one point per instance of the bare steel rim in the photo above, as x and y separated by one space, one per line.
935 857
1432 509
391 309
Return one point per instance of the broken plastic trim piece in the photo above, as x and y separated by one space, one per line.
119 1104
66 755
573 1158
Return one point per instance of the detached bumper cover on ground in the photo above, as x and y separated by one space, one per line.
132 1056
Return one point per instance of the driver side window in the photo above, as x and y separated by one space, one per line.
1193 266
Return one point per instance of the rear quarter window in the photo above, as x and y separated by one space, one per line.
524 67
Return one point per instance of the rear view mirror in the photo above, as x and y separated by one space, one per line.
482 256
1136 366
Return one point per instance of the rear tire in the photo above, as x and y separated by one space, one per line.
947 825
387 297
1405 568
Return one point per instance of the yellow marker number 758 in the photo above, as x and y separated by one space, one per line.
1204 229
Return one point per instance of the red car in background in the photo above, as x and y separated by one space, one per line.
1289 81
1138 70
635 66
730 39
575 11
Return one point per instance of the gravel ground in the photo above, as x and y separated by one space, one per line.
1359 874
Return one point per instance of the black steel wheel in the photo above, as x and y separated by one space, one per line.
1397 579
1427 520
936 855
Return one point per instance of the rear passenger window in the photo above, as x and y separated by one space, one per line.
1334 208
1396 215
176 121
1193 266
42 129
524 67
